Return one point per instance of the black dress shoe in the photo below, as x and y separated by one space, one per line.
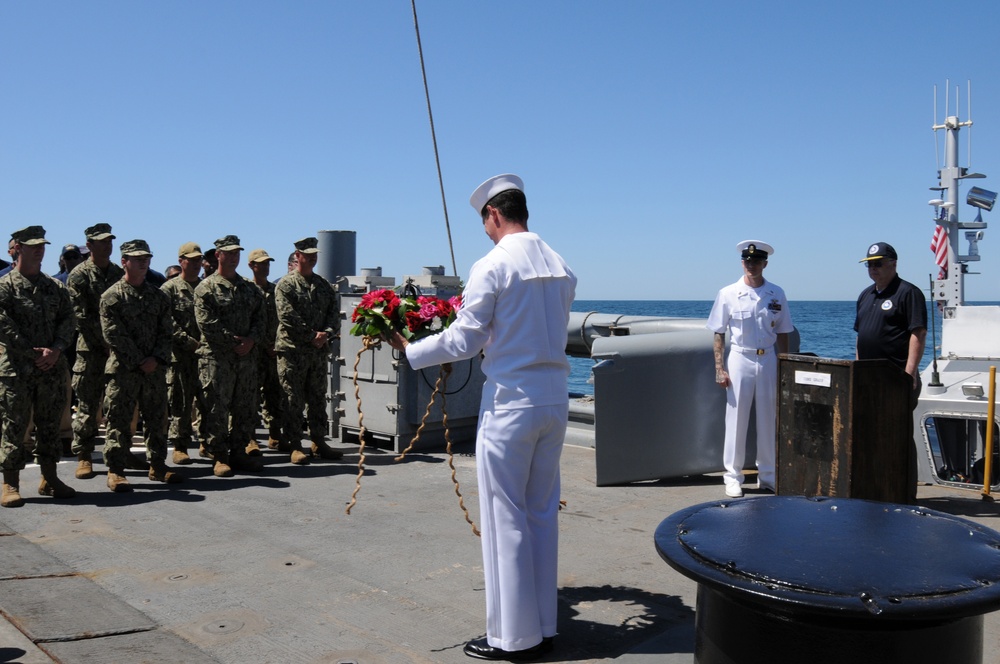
480 649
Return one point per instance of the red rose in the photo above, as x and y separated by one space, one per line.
413 321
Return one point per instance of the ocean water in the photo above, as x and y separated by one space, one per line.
826 328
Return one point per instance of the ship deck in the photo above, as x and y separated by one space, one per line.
269 568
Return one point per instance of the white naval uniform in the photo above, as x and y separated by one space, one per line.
754 318
516 309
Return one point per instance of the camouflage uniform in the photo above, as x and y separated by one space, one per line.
34 313
224 310
87 284
183 387
137 324
271 397
305 305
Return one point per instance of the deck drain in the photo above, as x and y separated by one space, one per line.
177 577
224 627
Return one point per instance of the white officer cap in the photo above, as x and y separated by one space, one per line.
748 248
495 185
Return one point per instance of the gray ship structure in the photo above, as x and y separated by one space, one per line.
656 410
950 418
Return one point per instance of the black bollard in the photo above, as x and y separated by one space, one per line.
789 579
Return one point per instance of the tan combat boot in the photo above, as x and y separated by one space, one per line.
51 485
322 450
117 481
276 441
158 472
253 449
181 457
222 468
84 467
206 453
299 458
11 484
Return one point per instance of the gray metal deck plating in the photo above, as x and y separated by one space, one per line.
268 568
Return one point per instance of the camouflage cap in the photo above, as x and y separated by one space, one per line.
99 232
307 245
189 250
259 256
228 243
135 248
30 235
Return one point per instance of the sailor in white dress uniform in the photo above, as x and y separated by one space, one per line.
515 308
755 313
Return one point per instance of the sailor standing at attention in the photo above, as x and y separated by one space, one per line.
515 308
138 328
87 283
231 317
756 314
308 313
36 326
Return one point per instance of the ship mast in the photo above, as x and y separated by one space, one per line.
950 291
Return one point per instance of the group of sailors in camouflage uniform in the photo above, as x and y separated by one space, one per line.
227 347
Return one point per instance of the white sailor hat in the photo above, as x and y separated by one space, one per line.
495 185
753 248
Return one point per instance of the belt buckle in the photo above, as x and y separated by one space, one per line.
761 351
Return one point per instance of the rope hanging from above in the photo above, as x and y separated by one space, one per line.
437 158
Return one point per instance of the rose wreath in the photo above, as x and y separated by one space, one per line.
415 317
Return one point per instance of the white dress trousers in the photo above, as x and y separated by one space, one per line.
752 376
517 455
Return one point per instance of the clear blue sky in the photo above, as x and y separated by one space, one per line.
652 136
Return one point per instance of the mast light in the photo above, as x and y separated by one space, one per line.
981 198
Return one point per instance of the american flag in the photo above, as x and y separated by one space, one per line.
939 245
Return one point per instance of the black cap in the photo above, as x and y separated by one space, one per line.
878 251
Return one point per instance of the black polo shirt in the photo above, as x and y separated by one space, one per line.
885 320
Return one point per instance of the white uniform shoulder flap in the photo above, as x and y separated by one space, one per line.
532 258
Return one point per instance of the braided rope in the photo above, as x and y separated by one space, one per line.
438 386
451 458
367 343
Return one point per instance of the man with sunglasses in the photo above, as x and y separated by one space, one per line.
891 318
755 313
891 324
